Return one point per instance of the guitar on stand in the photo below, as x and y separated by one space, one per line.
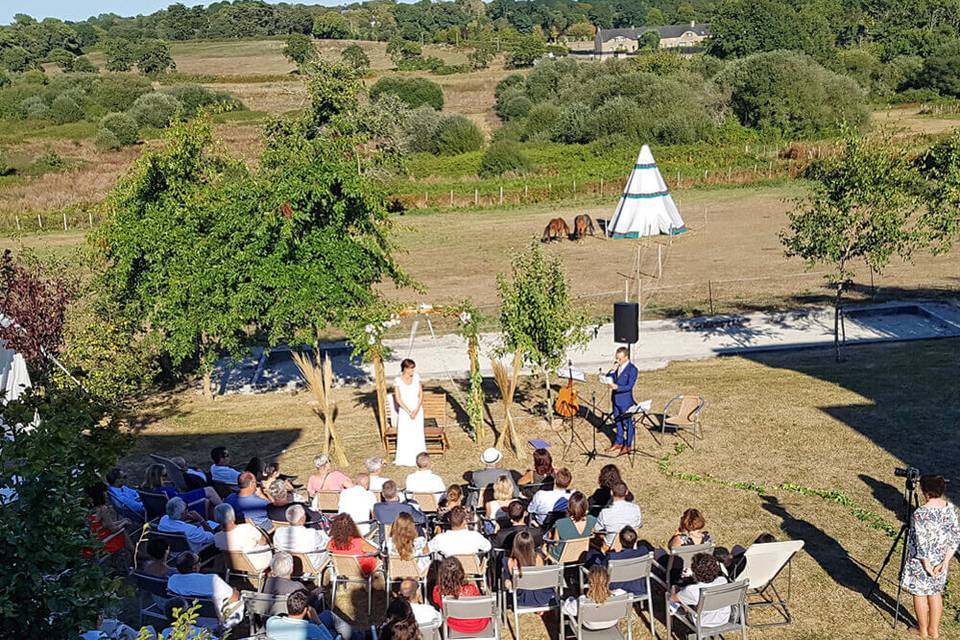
567 406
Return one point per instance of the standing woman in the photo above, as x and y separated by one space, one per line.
932 542
408 395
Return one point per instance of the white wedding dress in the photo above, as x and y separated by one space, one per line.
410 439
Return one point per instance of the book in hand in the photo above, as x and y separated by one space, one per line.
606 379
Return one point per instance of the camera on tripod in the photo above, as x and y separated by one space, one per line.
912 474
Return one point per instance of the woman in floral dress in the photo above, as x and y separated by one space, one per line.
932 542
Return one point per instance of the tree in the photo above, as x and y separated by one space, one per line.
154 57
299 48
120 53
481 56
526 51
356 57
742 27
536 313
413 91
17 59
330 25
400 50
865 205
62 58
941 73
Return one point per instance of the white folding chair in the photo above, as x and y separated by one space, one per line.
471 608
764 563
722 596
601 621
530 578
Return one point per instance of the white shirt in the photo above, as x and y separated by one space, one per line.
228 475
358 502
197 537
425 614
312 542
459 542
618 515
424 481
543 502
377 482
205 585
245 537
690 596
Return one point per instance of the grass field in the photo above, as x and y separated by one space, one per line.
795 418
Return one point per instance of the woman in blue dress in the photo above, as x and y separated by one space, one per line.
525 555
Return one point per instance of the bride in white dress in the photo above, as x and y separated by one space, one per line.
408 395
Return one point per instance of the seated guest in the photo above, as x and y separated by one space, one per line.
599 591
387 510
706 573
577 524
158 554
603 496
542 472
297 625
220 470
279 582
491 471
726 560
271 474
358 501
345 540
326 478
690 531
197 530
243 537
249 502
518 522
459 540
195 478
524 555
374 467
406 543
630 549
188 581
452 498
424 480
123 496
502 497
280 499
104 522
297 538
154 481
423 613
618 515
452 583
547 501
400 623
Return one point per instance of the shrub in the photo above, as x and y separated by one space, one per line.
790 93
34 108
413 91
299 48
572 124
513 130
106 140
155 110
195 96
4 79
422 130
516 106
458 134
154 57
122 126
940 73
558 50
356 57
503 156
118 92
47 161
541 121
82 64
65 109
513 81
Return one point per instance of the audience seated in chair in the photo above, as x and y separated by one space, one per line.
690 531
423 613
104 522
326 478
525 554
452 498
188 581
452 583
547 501
358 501
482 478
518 522
495 509
387 510
197 530
401 622
280 500
220 470
195 478
297 538
158 555
602 497
406 543
618 515
123 496
424 480
374 466
630 548
155 480
706 573
459 540
243 537
598 591
249 502
542 471
302 622
577 524
345 540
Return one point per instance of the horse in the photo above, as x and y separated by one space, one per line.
582 225
555 230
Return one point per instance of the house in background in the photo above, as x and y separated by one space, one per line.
615 42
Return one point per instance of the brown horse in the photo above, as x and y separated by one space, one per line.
582 225
556 230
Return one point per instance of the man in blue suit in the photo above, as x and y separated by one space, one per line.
623 376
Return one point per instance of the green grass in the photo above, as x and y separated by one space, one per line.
241 117
16 131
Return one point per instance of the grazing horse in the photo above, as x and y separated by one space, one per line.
582 225
556 230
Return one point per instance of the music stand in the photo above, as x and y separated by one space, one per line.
641 409
575 375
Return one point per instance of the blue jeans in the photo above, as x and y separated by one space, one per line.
336 625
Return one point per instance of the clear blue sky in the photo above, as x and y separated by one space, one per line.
81 10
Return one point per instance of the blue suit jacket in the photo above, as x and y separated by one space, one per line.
623 394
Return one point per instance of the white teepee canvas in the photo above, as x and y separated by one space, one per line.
646 208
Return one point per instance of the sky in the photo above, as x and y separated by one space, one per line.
82 9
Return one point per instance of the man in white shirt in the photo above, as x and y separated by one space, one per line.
424 613
618 515
546 501
244 537
220 470
459 541
424 480
188 581
358 501
299 539
706 572
374 467
198 532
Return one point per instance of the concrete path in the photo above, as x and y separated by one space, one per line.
661 342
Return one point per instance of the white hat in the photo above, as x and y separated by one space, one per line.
490 456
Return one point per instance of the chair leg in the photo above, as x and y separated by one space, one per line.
668 615
653 632
369 594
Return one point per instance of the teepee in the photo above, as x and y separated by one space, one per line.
646 207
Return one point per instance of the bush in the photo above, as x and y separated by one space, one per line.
48 161
541 121
4 79
106 140
82 64
117 92
422 130
356 57
940 73
413 91
34 108
195 96
515 106
458 134
791 94
122 126
501 157
572 124
65 109
513 81
155 110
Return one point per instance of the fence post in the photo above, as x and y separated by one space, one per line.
549 190
476 197
64 220
40 222
710 293
451 198
17 216
90 217
574 187
501 194
525 194
601 187
659 260
678 178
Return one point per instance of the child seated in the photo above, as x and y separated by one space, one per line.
598 591
706 573
631 549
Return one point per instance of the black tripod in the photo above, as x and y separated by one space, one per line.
906 529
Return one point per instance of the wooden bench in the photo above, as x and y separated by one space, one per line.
434 423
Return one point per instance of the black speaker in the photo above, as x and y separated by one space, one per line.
626 317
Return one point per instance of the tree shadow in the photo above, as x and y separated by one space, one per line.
890 496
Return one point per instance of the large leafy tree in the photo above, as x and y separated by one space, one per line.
154 57
121 54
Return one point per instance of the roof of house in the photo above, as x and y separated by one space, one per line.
667 31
